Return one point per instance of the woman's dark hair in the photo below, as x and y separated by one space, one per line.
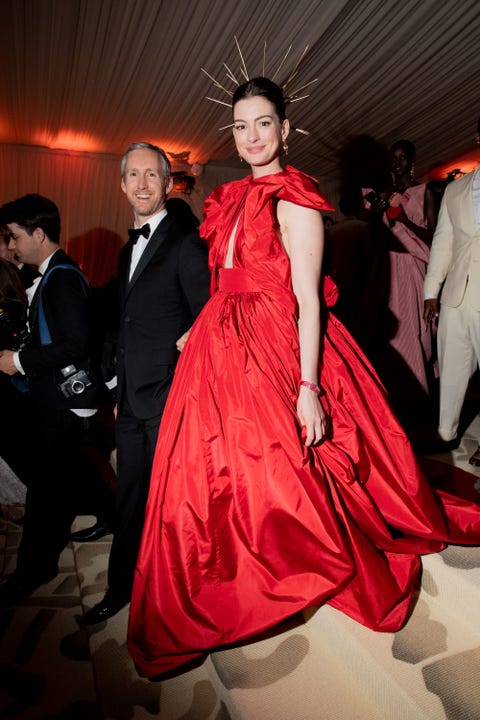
11 287
407 145
262 87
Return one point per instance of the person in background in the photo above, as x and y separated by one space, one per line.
55 360
26 272
15 409
328 221
452 294
163 283
181 211
408 209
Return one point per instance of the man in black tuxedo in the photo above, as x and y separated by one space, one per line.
163 284
56 360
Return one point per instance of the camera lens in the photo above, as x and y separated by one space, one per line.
77 387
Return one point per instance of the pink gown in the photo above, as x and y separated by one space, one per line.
245 526
408 265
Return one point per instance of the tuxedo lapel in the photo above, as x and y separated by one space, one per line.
467 204
461 203
157 239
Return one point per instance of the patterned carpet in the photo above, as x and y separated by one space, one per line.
320 666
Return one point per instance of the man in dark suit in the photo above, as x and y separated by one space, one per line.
163 284
56 362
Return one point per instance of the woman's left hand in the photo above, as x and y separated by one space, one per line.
311 416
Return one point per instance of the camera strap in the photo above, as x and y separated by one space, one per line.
45 336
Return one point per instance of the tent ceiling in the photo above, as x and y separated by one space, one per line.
97 74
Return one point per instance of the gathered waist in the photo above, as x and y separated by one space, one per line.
236 280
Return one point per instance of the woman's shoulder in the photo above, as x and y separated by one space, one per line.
301 189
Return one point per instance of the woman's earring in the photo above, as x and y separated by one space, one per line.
412 172
241 158
285 147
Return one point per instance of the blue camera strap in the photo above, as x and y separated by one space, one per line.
45 337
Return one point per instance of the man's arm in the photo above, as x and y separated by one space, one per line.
440 254
194 272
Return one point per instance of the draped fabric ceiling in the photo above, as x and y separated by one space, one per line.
81 79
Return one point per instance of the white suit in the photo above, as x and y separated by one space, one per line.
455 264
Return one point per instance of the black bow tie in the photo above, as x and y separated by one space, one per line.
135 233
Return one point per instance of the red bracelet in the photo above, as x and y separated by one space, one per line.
311 386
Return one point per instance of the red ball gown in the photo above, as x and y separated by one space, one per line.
245 525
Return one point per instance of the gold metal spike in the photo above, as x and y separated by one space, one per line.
216 83
230 74
289 97
281 64
220 102
294 71
290 100
302 87
243 67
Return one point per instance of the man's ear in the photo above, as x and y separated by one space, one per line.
39 235
169 186
123 186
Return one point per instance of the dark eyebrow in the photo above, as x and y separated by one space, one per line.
257 118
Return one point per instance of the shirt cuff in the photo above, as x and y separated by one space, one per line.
17 363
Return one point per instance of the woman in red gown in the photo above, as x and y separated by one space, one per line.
282 480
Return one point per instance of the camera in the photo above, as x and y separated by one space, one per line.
75 383
374 197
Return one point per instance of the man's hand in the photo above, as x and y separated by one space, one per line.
430 310
7 365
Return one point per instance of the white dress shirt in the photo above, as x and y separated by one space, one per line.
142 242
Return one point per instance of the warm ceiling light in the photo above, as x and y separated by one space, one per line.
462 165
70 140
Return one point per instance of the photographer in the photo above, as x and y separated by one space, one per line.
56 361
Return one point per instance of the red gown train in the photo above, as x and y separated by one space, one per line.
244 525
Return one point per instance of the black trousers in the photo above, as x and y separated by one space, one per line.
66 482
136 440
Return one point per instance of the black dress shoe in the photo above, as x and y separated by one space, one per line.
95 532
103 610
17 588
475 459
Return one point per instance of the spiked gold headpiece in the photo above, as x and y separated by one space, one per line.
288 96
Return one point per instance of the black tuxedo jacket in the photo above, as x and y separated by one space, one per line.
68 312
168 289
